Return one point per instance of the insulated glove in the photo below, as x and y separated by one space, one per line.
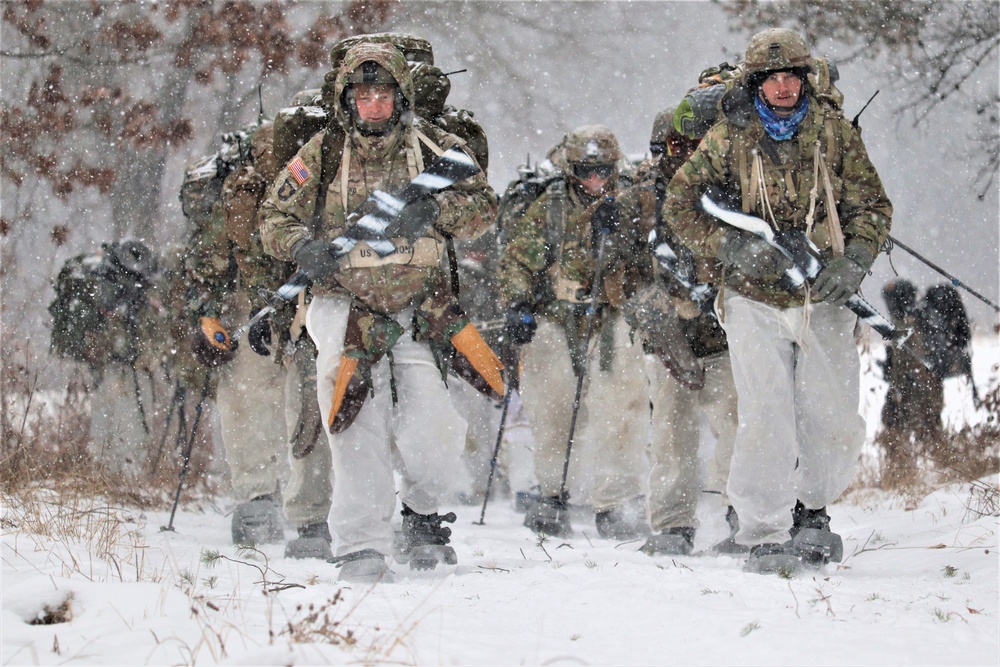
259 336
842 276
521 324
754 257
211 345
606 215
317 259
414 220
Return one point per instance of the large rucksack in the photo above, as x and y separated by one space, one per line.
944 327
101 299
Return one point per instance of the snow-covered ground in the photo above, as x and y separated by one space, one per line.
918 585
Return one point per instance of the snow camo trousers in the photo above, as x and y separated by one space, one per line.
800 433
674 479
251 403
607 465
422 436
118 439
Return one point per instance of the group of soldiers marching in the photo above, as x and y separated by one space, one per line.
620 310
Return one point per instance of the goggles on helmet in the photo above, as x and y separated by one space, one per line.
585 171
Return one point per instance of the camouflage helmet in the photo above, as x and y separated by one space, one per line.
591 144
776 49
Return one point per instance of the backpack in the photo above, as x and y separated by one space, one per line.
202 185
99 302
944 326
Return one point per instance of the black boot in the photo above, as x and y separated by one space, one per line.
549 516
730 545
313 542
670 542
626 521
424 541
812 538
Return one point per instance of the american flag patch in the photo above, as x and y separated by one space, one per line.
299 171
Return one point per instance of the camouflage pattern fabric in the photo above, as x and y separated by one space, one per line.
387 163
723 160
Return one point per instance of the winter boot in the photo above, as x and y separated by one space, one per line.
812 539
313 542
257 522
363 567
774 559
670 542
549 516
729 545
424 542
624 522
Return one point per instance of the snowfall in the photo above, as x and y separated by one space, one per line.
917 586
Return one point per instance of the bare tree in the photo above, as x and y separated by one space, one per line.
942 54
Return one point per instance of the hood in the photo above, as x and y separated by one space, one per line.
386 55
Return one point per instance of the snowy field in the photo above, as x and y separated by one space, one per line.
918 586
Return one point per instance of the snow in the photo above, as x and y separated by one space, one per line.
918 585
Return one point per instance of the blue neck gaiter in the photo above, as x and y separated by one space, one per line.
780 128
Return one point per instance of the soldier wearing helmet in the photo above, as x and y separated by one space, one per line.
367 307
546 280
788 156
687 362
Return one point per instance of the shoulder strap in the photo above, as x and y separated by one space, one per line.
556 223
333 145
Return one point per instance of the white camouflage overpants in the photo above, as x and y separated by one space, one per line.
800 433
607 465
674 480
251 404
423 432
119 404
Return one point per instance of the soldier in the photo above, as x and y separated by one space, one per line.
256 386
367 307
788 156
687 366
103 316
546 279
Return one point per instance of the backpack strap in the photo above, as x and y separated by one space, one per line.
334 143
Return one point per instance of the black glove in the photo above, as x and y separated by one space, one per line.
606 215
211 345
317 259
754 257
415 220
521 324
259 336
842 276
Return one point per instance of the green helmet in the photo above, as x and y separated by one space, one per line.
776 49
591 144
663 126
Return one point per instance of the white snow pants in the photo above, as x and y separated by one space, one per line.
423 431
607 463
674 480
251 403
800 433
118 439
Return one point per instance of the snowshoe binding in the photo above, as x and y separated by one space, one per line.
774 558
424 541
670 542
363 567
549 516
812 538
313 542
730 546
624 522
257 521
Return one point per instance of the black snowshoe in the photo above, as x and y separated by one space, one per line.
624 522
549 516
812 538
423 542
670 542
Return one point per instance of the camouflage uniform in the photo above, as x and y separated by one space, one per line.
422 428
674 486
226 266
549 261
795 364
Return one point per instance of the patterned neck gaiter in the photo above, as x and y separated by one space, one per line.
780 128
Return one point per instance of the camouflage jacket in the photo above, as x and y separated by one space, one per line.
725 159
350 166
552 268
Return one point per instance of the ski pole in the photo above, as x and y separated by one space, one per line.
954 281
198 408
496 448
591 318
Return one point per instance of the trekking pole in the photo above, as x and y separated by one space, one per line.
954 281
496 448
591 318
198 408
178 397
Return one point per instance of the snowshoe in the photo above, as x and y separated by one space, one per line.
363 567
549 516
812 538
257 521
313 542
670 542
729 545
774 559
424 541
624 522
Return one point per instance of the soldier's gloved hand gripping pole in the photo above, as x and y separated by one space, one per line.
380 218
804 257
